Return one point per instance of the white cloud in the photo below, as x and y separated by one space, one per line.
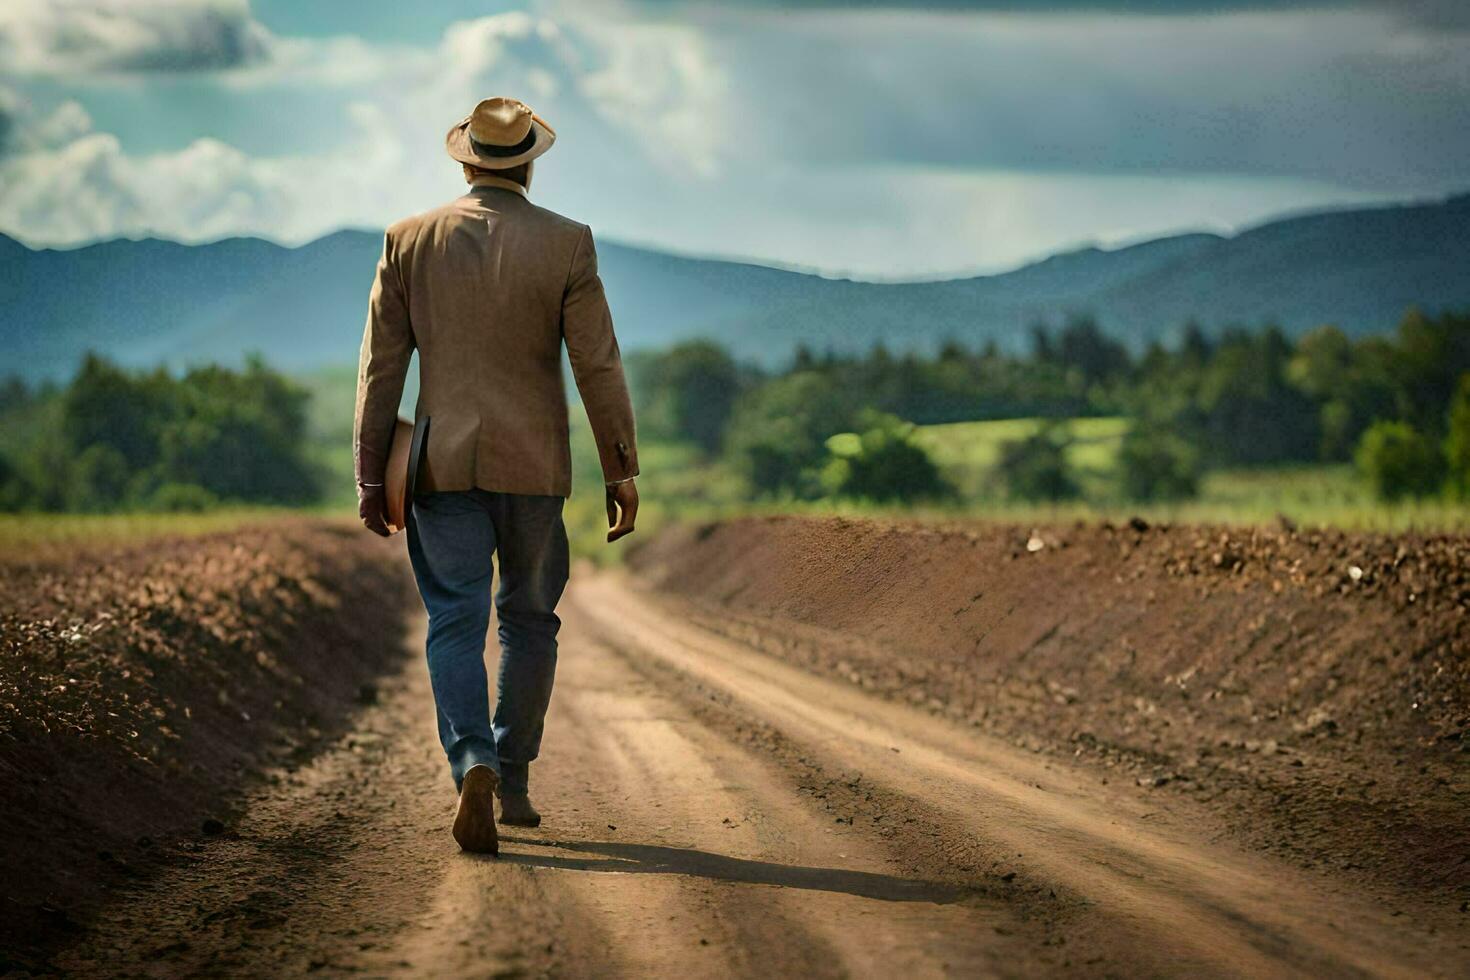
23 130
648 91
67 184
330 62
628 104
68 122
663 82
59 37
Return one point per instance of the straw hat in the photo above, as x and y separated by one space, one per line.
500 133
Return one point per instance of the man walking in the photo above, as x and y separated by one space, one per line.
487 288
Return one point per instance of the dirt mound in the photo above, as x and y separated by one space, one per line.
1311 690
140 688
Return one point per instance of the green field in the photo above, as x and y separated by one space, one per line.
1311 495
675 485
967 452
40 536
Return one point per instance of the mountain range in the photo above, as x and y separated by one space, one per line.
151 301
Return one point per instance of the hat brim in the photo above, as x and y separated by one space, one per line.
459 146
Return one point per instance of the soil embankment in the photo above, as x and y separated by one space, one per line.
776 773
1306 693
142 688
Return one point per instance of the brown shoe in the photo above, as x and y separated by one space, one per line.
474 823
517 811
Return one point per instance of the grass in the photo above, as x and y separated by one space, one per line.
1094 441
676 486
967 452
1315 496
56 535
1424 517
1311 495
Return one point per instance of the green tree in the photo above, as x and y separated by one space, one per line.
1428 356
96 480
44 476
688 393
1195 348
1248 411
1322 367
1036 467
1043 351
777 437
13 491
14 394
1322 363
179 498
1399 461
881 461
107 406
1457 441
240 436
113 438
1083 347
1157 465
952 351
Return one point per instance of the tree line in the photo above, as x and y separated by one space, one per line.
114 439
825 424
1397 405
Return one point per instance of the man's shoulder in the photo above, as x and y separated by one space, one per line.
558 221
405 230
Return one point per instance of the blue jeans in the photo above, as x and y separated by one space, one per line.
451 537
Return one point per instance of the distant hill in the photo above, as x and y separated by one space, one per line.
149 301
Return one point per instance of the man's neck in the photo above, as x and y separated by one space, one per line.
486 180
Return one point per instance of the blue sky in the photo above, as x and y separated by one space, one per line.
886 140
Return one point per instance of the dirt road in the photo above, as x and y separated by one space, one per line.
713 811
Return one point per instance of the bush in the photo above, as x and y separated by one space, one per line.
881 462
1248 412
687 393
1157 465
1457 442
180 498
1036 467
1399 461
96 480
778 435
13 489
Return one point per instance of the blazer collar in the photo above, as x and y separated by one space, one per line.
484 182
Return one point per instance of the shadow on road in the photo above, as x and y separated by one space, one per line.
656 859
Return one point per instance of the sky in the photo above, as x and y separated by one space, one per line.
880 140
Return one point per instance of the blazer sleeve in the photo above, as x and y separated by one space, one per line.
596 364
387 345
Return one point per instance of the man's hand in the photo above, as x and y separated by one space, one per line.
372 508
622 509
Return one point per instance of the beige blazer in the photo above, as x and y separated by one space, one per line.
487 288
